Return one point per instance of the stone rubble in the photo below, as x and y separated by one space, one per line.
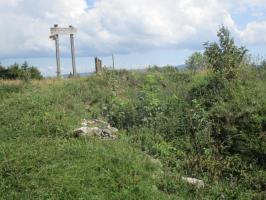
193 181
96 128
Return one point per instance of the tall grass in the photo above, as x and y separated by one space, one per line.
177 117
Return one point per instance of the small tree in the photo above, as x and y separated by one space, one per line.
25 66
35 73
3 71
195 62
24 72
1 67
13 72
225 56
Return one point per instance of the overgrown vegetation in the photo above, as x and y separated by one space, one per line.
210 125
22 72
196 62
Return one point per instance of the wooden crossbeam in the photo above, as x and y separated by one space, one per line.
63 31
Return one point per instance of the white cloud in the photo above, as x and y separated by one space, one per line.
136 24
118 25
25 24
252 2
255 33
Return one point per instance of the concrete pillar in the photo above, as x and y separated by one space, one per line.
73 54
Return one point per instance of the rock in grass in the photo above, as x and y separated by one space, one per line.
193 181
96 128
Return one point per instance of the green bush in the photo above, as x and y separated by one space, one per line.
23 72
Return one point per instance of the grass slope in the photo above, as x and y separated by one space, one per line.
167 114
39 159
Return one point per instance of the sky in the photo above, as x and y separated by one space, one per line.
139 32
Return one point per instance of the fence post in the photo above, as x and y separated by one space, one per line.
98 65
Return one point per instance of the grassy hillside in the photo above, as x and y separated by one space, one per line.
193 124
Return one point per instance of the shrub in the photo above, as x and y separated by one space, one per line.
225 56
23 72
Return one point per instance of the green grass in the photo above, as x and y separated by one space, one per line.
49 168
175 117
39 158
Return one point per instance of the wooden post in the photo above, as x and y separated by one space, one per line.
113 57
57 56
73 54
56 39
98 65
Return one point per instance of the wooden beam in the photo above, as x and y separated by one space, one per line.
63 31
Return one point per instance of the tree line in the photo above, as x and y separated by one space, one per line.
22 72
